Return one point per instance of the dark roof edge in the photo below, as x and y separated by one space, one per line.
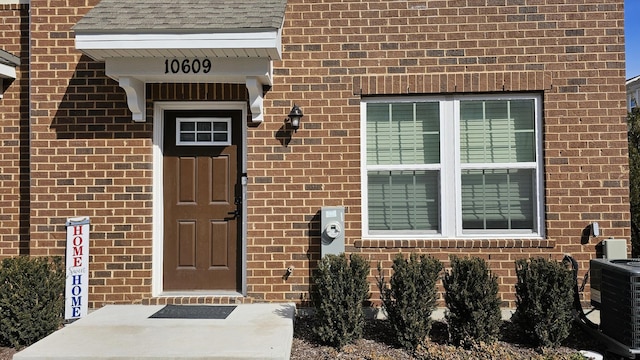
142 31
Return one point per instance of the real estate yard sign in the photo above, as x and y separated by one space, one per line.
77 284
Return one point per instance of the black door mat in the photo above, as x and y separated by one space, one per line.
193 312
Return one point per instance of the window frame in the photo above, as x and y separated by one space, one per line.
451 167
196 120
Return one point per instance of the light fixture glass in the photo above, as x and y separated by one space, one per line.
294 117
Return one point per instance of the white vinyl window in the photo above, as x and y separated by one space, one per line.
454 166
203 131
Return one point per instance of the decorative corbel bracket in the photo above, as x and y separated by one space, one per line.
136 97
255 99
7 74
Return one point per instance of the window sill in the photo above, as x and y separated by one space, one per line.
456 243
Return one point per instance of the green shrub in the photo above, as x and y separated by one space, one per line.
340 290
31 299
544 299
410 298
471 295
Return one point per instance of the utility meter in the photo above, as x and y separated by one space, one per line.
332 230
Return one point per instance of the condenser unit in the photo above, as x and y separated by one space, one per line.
615 291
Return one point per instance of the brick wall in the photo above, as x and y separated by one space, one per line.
14 136
88 158
337 51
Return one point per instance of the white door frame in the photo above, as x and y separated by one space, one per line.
158 193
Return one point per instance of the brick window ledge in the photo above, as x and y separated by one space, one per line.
456 243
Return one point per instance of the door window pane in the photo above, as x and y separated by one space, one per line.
187 137
204 126
187 126
203 131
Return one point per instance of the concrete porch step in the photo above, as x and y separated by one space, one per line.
251 331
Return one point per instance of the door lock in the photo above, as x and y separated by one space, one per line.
237 201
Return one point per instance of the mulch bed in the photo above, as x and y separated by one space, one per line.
377 344
6 353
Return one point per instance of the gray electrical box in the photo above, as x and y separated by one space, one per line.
614 249
331 230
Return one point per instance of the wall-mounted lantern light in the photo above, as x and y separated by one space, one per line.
294 117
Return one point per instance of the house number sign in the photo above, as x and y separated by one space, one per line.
187 66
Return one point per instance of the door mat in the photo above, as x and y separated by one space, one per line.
193 312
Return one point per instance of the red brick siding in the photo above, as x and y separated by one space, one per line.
337 51
88 157
14 136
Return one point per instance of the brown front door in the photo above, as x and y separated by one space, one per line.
202 200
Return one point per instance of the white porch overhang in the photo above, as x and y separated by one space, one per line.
136 59
205 41
8 64
7 71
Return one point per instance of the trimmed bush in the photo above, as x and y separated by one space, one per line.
31 299
410 298
544 299
340 290
471 295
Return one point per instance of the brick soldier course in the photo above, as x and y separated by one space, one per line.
70 147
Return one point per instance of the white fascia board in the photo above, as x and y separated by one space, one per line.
633 80
232 70
633 85
270 40
7 72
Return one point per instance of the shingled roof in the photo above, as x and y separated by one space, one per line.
153 16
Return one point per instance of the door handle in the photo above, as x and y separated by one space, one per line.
235 214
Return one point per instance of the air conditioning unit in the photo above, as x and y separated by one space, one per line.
615 291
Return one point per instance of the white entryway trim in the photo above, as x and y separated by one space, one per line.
158 191
7 71
245 44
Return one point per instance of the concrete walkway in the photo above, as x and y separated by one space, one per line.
251 331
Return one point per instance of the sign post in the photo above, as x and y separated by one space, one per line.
77 265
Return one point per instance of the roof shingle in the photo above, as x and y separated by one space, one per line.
145 16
